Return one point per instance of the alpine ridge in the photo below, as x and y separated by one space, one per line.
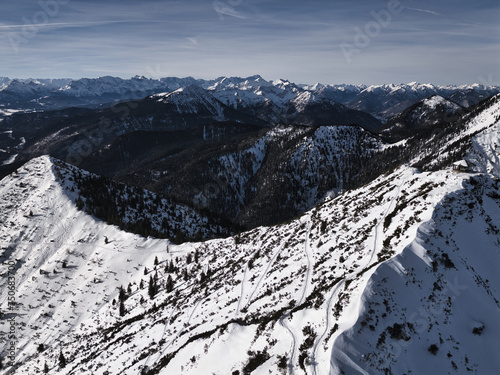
396 276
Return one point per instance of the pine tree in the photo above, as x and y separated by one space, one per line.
129 289
62 360
141 284
196 256
46 368
151 288
145 270
122 296
156 261
122 308
189 258
170 284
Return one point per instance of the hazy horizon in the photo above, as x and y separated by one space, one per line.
363 42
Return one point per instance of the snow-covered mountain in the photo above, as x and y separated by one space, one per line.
382 101
397 276
424 115
385 101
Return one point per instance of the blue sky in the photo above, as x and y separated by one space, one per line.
307 41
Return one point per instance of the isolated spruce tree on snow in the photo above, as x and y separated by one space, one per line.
62 360
170 284
156 261
122 296
122 308
151 287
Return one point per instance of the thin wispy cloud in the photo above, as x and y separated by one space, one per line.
425 11
65 24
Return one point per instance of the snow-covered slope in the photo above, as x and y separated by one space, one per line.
399 276
66 264
423 115
434 308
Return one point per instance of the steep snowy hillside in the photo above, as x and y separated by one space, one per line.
435 307
65 265
399 276
135 210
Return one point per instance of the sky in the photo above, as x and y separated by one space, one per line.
306 41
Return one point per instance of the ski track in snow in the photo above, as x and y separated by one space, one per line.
243 283
283 322
167 323
307 284
380 223
245 272
319 340
309 256
179 332
264 274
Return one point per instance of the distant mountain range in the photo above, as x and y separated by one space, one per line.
274 98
